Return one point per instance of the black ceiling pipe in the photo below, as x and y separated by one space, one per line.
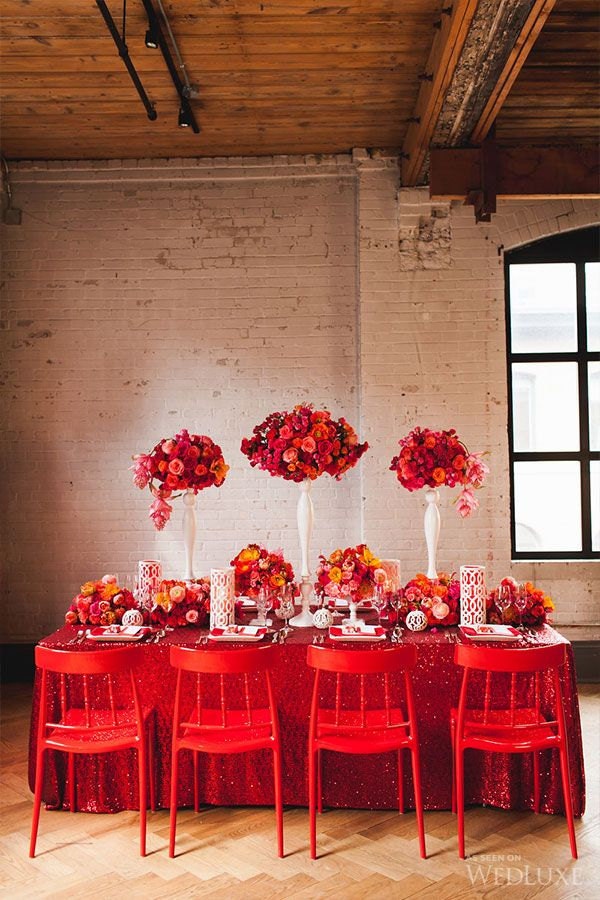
124 54
154 23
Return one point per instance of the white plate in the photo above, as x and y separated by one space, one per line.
241 633
118 633
342 603
490 632
365 633
246 602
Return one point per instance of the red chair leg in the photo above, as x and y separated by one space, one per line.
173 802
416 768
37 801
143 779
536 782
278 801
453 802
152 768
319 783
71 777
312 810
400 783
566 780
196 781
460 798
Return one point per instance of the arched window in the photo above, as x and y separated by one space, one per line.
553 353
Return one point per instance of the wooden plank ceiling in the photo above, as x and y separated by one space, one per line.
284 76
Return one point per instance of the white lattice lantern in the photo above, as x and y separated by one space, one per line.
149 578
222 598
472 595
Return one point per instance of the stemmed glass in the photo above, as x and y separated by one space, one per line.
503 599
264 601
380 600
520 602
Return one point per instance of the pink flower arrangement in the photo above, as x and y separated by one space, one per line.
180 603
100 603
351 573
435 458
538 609
303 443
438 598
185 462
257 567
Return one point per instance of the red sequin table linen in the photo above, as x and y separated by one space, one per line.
107 783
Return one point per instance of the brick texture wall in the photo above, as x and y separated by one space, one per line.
141 297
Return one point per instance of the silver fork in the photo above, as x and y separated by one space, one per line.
159 634
76 637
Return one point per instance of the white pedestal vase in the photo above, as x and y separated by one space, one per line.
189 532
353 618
432 529
305 514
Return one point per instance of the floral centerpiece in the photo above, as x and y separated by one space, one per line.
538 606
303 443
100 602
438 598
186 462
349 574
257 567
436 458
181 603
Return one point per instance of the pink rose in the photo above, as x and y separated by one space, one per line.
191 616
309 445
285 432
380 576
177 593
104 605
71 617
332 589
109 579
290 455
440 610
168 446
176 467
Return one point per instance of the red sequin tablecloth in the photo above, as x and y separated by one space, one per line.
107 782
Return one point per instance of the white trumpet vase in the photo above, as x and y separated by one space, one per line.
432 529
189 531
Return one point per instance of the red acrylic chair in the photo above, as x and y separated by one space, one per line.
363 730
97 710
512 729
235 724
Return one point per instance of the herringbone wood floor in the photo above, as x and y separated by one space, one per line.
229 853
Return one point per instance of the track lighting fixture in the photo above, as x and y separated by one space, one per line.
151 41
184 118
121 45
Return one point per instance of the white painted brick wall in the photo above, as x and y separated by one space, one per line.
150 295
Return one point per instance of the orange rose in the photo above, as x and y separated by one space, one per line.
439 475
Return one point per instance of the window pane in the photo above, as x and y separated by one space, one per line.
594 400
595 485
547 506
592 296
545 407
543 308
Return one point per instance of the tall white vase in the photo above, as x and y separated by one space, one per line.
432 529
305 515
189 531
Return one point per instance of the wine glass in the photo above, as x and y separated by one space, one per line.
380 600
520 602
263 605
503 599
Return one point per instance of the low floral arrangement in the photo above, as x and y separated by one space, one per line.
257 567
537 610
435 458
181 603
303 443
184 462
100 603
438 598
351 573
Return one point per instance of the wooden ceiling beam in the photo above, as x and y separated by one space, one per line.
532 173
526 39
441 64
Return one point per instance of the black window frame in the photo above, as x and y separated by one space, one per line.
578 247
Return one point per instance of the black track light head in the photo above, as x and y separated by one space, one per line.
184 120
151 41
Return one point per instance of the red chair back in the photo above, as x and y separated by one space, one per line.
507 659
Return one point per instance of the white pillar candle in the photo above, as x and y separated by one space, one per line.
472 595
222 597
